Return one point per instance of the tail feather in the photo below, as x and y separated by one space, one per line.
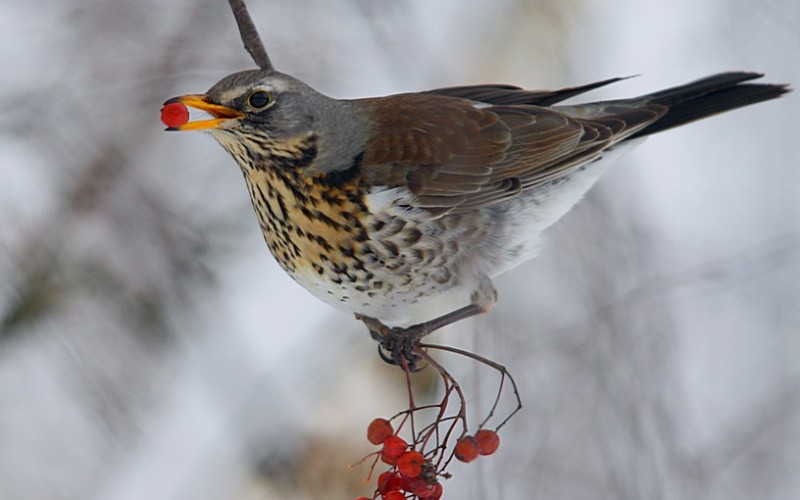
707 97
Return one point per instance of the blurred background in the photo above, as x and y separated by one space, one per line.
151 348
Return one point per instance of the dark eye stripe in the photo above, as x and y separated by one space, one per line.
259 99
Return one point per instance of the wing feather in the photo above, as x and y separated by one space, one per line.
454 156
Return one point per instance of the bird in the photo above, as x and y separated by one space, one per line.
402 209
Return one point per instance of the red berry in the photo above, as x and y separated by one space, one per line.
437 491
410 463
387 458
393 447
394 495
378 430
389 481
467 449
488 441
406 483
420 488
396 444
363 498
174 114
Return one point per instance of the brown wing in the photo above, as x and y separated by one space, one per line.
455 157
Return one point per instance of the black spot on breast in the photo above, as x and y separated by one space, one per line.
390 247
322 242
411 236
339 178
282 206
395 226
327 220
332 197
301 158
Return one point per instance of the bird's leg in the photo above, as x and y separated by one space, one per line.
396 344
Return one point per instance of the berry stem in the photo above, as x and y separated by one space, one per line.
450 385
504 373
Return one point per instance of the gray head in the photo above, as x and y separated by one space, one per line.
260 115
257 109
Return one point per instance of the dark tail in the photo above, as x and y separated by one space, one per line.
707 97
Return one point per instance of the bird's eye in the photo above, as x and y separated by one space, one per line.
259 99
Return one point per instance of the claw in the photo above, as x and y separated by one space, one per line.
395 345
387 358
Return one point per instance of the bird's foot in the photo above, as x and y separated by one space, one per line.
396 345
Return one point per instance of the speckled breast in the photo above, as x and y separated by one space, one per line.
322 232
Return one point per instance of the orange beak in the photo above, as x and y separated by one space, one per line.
199 101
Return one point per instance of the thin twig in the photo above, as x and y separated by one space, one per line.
250 38
450 384
412 406
496 366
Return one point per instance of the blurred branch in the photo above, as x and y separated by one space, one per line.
740 439
37 283
769 256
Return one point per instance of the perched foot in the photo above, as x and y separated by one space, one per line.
396 345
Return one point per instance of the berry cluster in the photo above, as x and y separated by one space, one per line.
416 465
411 472
484 442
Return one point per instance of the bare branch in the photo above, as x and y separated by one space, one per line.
252 42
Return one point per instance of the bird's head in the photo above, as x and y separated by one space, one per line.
256 102
255 110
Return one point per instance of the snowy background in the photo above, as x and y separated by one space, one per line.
151 348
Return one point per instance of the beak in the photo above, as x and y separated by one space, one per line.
220 113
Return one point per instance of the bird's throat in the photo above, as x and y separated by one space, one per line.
311 223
